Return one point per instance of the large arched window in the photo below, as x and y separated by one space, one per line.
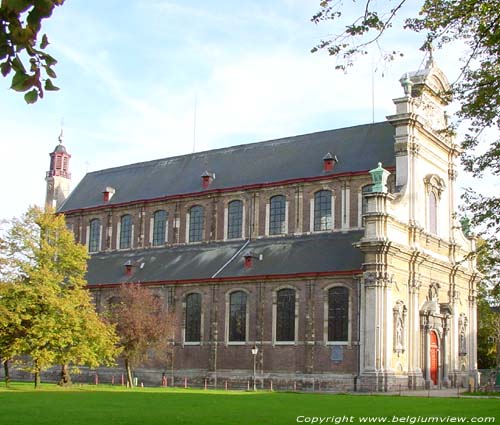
277 215
285 315
125 231
322 210
196 223
94 235
237 316
159 227
338 314
432 213
234 219
193 318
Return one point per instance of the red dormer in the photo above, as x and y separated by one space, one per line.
108 193
129 268
206 179
329 161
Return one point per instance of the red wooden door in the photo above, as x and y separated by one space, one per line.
434 358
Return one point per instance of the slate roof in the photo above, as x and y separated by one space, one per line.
317 253
357 149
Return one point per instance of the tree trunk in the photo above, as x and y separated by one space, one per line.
7 374
65 376
37 375
130 382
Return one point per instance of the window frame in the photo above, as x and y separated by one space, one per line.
196 224
321 199
333 314
277 216
126 232
291 315
235 218
94 238
197 337
159 230
243 311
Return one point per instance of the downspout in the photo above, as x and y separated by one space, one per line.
231 259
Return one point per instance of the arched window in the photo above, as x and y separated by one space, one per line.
322 210
196 223
193 318
94 235
159 227
285 315
234 219
237 316
126 231
432 213
338 314
277 212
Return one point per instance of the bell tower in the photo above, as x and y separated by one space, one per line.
58 177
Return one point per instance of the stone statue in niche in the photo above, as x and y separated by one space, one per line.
399 327
462 342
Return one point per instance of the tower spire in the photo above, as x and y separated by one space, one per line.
58 177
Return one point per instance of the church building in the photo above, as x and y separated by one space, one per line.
335 257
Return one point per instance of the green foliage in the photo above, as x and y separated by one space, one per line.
20 24
477 24
47 312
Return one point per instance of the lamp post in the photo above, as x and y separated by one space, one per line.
255 350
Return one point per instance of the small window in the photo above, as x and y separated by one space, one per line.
277 213
196 223
432 213
94 235
338 314
193 318
237 316
285 315
159 227
126 231
234 220
322 210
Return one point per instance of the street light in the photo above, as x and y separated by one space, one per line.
255 350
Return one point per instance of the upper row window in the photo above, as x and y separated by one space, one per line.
322 210
277 215
94 235
196 223
126 231
235 220
159 227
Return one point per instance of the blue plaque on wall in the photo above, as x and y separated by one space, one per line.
337 354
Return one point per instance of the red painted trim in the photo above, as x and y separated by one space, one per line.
234 278
224 190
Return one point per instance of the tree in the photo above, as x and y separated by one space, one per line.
488 313
144 325
47 311
20 24
475 23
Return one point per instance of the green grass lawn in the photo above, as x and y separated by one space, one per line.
155 406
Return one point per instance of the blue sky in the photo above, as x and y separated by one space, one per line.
132 73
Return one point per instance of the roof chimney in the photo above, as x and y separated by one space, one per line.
329 161
129 268
249 257
206 179
108 193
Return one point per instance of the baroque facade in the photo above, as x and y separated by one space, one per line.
336 269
